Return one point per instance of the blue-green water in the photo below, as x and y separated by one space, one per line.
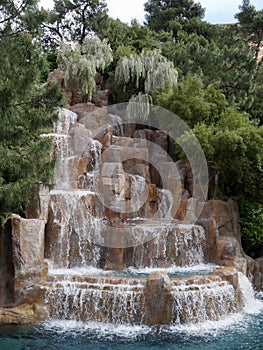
132 272
236 332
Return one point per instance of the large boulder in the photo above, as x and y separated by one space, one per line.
24 314
158 299
225 215
30 269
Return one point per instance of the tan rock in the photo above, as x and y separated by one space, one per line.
38 208
152 193
28 242
122 141
158 299
225 215
24 314
227 247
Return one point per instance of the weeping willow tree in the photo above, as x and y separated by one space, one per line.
81 62
139 106
149 70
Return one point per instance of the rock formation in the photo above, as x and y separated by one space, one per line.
109 210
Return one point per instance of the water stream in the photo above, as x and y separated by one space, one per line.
95 307
233 332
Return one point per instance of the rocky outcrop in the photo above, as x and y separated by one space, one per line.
221 222
74 96
29 269
108 222
24 314
38 208
225 215
23 271
158 299
57 76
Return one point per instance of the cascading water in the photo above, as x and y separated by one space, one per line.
77 234
93 156
116 122
137 189
65 159
100 299
202 300
74 225
165 204
180 245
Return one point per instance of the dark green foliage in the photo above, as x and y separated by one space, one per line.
124 38
26 110
251 25
192 101
225 60
256 109
74 20
251 220
171 15
229 139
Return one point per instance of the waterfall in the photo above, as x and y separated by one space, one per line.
65 165
65 120
123 300
117 124
138 191
202 300
98 299
65 159
77 237
179 245
165 204
74 228
251 305
93 157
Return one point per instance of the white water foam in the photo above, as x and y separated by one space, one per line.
94 271
205 268
66 118
165 204
252 305
101 329
238 322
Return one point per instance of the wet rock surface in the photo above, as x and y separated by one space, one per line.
109 210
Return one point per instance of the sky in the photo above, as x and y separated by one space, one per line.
222 11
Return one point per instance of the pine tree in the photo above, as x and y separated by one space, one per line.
75 20
26 110
174 15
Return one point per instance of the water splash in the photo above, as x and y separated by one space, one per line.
165 204
100 299
117 124
139 192
204 299
171 244
66 119
93 158
252 305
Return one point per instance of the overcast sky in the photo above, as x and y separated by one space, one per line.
221 11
